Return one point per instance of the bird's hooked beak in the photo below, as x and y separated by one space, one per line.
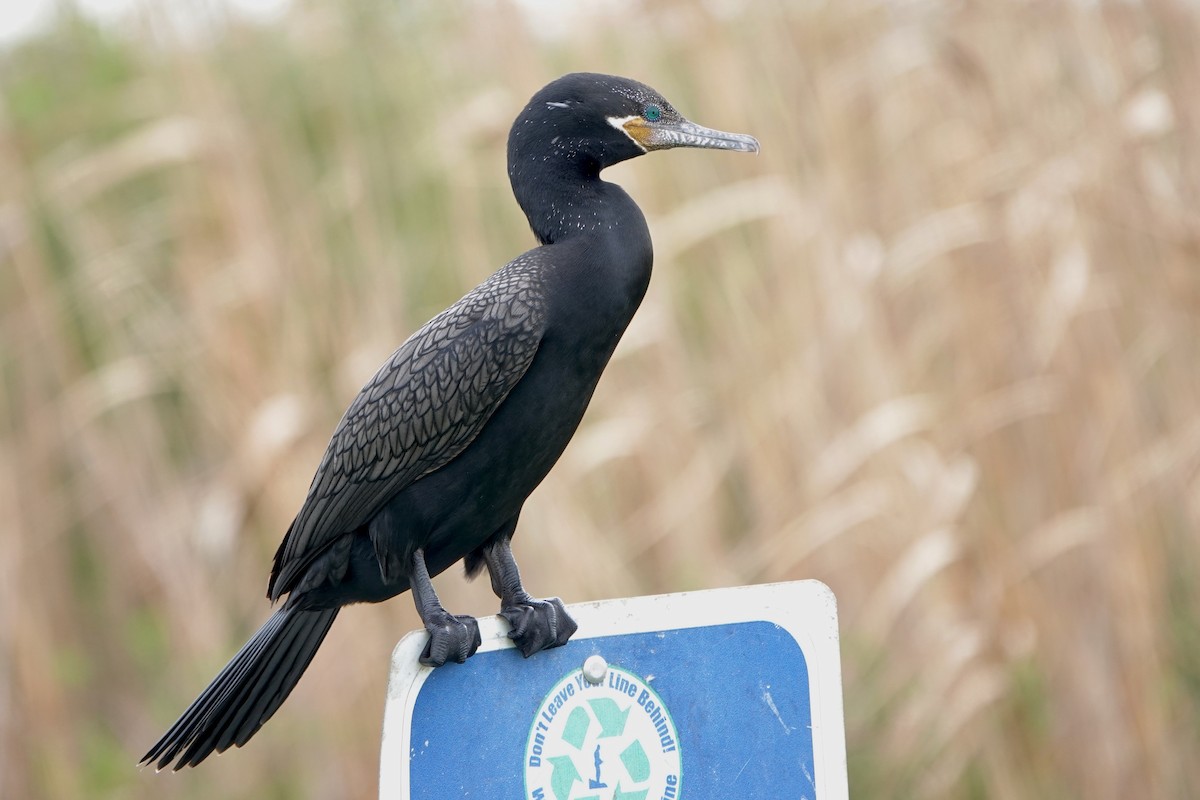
665 133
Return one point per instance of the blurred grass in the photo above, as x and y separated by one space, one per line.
936 347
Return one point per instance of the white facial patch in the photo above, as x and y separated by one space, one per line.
619 124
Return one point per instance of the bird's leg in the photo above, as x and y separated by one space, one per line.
536 624
450 636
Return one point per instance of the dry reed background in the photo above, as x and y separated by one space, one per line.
936 346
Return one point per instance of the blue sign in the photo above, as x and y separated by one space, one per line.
703 711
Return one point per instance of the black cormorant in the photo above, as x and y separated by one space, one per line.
435 457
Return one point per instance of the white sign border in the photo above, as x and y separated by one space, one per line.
805 609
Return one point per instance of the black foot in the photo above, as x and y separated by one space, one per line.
539 625
452 638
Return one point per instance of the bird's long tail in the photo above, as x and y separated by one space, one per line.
247 691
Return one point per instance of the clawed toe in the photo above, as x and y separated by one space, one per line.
452 638
538 625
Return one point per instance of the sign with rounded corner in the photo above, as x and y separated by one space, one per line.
701 695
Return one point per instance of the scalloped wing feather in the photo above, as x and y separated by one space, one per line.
423 407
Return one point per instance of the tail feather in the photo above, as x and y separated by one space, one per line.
220 729
185 729
247 691
217 695
259 703
281 690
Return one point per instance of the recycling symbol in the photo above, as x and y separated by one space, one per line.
607 740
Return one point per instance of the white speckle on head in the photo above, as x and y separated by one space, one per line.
558 105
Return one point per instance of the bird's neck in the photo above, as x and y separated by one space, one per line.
605 253
564 197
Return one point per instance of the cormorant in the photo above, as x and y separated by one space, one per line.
435 457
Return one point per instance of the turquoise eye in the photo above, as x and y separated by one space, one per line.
652 113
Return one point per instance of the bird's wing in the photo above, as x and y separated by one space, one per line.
420 410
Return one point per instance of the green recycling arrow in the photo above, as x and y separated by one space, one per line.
610 716
576 728
635 761
563 776
619 795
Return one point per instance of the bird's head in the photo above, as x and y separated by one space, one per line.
596 121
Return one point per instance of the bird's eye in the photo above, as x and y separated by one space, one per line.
652 113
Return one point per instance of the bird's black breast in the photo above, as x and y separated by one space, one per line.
459 506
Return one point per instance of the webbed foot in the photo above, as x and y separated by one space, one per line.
538 624
451 638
